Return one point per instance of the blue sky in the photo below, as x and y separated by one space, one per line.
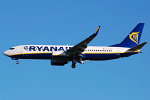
69 22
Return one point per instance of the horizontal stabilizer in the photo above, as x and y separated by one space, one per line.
138 47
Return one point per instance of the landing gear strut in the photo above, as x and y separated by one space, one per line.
73 63
17 62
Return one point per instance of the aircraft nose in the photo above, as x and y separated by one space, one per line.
6 53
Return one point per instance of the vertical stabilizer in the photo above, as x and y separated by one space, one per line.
133 37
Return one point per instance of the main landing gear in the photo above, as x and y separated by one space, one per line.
74 63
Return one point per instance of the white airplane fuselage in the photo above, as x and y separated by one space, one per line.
58 52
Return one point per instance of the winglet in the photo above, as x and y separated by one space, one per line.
96 32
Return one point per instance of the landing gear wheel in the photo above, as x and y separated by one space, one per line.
73 65
17 62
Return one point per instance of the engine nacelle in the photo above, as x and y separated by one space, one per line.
58 62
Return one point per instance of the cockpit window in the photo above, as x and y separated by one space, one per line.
12 48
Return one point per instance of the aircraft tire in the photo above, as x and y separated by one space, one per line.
73 66
17 62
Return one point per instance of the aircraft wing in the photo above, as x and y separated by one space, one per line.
80 47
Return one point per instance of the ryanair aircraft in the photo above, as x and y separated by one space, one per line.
62 54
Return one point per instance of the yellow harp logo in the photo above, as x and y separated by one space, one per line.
134 37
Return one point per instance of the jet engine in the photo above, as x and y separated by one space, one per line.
58 62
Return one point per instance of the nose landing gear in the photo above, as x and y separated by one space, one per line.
17 62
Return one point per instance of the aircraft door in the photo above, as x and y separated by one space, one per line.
20 51
118 52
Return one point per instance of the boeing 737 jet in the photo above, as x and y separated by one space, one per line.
62 54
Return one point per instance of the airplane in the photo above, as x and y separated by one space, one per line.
62 54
